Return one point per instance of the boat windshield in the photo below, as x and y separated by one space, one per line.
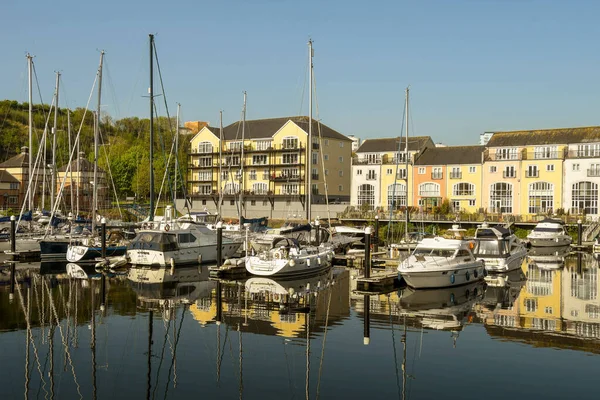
551 230
154 241
434 252
491 248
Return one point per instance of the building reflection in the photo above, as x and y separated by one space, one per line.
557 306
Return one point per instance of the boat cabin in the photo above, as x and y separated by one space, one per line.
496 241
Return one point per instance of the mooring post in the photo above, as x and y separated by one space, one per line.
579 232
219 244
368 252
317 232
367 322
376 235
247 242
103 292
103 236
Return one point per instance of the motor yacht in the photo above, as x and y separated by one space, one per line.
549 233
499 248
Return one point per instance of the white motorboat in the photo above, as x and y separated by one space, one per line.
549 257
440 262
288 257
549 233
167 243
499 248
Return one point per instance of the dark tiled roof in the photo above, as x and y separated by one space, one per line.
86 166
18 161
450 155
415 143
546 136
7 178
266 128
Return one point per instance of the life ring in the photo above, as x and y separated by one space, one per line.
277 255
467 276
167 227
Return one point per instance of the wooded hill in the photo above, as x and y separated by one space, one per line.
124 142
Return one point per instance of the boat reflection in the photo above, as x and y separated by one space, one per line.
548 257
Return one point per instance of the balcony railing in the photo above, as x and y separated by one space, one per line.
593 172
285 178
369 160
437 175
583 154
456 175
545 155
492 155
509 174
532 174
372 177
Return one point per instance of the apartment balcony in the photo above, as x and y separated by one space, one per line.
287 147
532 174
285 178
583 154
593 172
492 155
198 166
202 180
545 155
456 175
315 146
315 177
509 175
436 175
369 161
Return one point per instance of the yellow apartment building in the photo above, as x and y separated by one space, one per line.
449 172
540 301
268 161
379 173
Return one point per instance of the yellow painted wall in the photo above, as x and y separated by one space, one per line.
468 177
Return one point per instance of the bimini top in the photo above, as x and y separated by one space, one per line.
442 243
494 232
549 225
551 221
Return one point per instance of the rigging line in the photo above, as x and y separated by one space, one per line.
287 367
141 65
110 172
325 185
106 71
389 225
162 356
394 347
62 336
37 83
304 88
175 352
330 280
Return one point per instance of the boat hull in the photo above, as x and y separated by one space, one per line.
301 265
85 253
182 256
550 242
457 276
498 265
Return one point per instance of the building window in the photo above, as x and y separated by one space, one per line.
205 162
531 171
594 170
501 197
541 197
205 147
204 189
389 171
341 173
575 167
550 167
493 168
456 205
326 142
429 189
507 154
315 189
235 146
291 172
472 203
359 172
548 310
531 305
205 176
259 159
232 202
396 195
289 158
231 188
224 175
232 160
340 188
463 189
326 172
203 202
436 173
263 144
421 170
472 170
259 188
588 150
584 197
252 175
509 172
14 186
289 189
315 158
340 158
252 202
265 203
371 175
366 195
545 152
290 142
401 174
341 144
288 202
455 173
326 157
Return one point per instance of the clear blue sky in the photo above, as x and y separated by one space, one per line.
473 66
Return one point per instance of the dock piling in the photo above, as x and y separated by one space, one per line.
376 235
219 244
367 319
103 237
317 232
579 232
368 252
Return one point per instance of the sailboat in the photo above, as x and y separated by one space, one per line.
171 242
287 257
90 248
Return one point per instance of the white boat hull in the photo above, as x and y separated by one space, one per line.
298 265
183 256
550 241
459 275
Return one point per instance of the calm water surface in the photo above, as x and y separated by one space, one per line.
534 333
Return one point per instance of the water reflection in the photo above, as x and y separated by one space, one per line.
160 330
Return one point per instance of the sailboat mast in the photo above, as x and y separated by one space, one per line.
407 213
309 142
53 172
151 93
30 89
70 144
220 160
96 134
242 186
177 152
